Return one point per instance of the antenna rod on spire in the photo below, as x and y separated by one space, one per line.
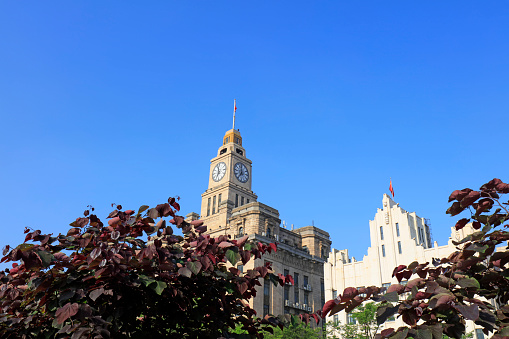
234 109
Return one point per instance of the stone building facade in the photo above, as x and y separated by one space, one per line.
230 207
397 237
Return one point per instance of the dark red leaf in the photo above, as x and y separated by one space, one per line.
470 312
470 198
459 194
65 312
396 288
196 223
387 332
398 269
225 244
113 221
349 293
273 247
461 223
328 306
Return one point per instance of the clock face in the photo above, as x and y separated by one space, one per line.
219 171
241 172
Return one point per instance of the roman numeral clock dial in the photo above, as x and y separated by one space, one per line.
219 171
241 172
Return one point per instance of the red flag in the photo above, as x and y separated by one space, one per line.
391 189
234 107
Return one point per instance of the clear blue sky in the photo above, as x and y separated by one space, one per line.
126 102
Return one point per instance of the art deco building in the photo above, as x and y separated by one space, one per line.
397 237
229 206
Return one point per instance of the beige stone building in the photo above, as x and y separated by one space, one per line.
229 206
397 237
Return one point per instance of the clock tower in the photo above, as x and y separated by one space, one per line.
229 183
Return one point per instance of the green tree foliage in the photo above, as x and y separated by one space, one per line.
295 329
100 281
365 327
471 284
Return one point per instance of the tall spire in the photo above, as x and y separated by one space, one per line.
234 109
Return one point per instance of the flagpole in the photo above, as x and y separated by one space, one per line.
234 109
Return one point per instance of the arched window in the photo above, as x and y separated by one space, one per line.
268 231
241 230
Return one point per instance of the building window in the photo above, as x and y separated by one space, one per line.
385 286
268 231
381 232
350 320
306 280
296 287
286 272
247 201
218 201
479 333
265 310
322 292
287 292
334 294
241 268
214 205
397 229
336 319
236 200
306 298
208 207
399 247
383 250
241 201
241 231
266 287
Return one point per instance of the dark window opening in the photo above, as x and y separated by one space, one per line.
383 250
223 151
241 201
208 207
214 205
239 151
236 200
